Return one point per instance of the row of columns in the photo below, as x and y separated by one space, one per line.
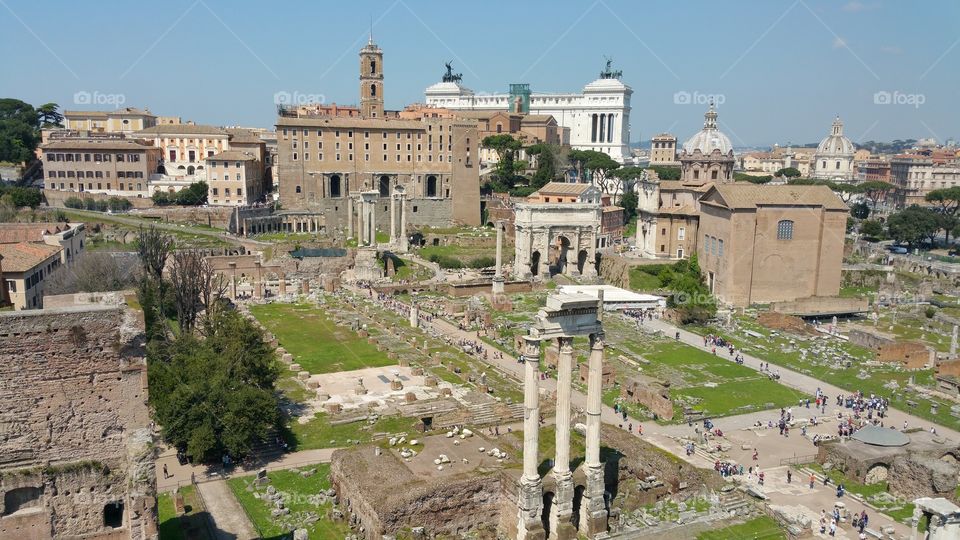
602 122
258 282
398 238
593 510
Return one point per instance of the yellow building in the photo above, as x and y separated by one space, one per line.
126 120
25 267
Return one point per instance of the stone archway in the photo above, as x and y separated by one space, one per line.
559 257
596 262
431 190
535 263
582 260
878 472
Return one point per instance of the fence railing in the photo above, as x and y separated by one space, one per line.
796 460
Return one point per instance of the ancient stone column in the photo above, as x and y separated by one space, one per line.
373 223
593 509
414 315
953 342
498 270
562 509
349 217
283 284
305 286
530 501
404 241
393 220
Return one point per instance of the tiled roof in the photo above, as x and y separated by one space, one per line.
180 129
347 122
11 233
233 155
747 195
94 145
563 188
104 114
240 136
22 257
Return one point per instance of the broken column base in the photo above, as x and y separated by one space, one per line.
530 529
498 285
529 507
592 523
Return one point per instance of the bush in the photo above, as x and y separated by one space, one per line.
74 202
22 196
482 262
930 312
119 204
95 205
446 261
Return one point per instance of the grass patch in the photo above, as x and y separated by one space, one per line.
315 341
297 491
761 528
320 433
167 516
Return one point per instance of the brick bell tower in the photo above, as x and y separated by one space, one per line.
371 80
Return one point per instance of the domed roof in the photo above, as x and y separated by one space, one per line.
836 144
709 138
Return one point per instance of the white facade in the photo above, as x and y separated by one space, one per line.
598 118
833 159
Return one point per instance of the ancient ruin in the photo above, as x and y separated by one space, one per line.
76 455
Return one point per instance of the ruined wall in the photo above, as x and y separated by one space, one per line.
915 476
949 367
651 395
73 436
911 354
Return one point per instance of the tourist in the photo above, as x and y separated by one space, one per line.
840 490
789 475
756 455
833 527
640 430
811 480
165 475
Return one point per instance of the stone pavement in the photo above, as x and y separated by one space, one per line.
225 513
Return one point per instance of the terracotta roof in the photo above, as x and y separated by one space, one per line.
95 145
24 256
243 136
536 118
563 188
233 155
180 129
104 114
747 195
682 210
348 122
11 233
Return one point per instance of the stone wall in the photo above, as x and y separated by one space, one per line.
73 426
914 476
214 216
949 367
56 198
651 394
822 305
868 339
911 354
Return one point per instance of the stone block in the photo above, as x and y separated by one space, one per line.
410 397
287 357
313 385
334 408
431 381
396 384
294 367
303 375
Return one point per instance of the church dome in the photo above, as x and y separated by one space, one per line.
836 144
709 138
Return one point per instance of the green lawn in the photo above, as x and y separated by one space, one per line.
320 433
643 281
315 341
169 522
297 491
761 528
899 510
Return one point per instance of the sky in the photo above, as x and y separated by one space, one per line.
779 70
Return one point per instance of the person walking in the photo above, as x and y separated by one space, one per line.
789 475
165 474
811 480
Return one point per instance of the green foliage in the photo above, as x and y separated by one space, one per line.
947 199
629 203
666 172
74 202
214 395
789 172
743 177
593 166
860 210
445 261
930 312
914 224
506 148
546 164
193 195
482 262
19 130
22 196
872 229
119 204
876 190
95 205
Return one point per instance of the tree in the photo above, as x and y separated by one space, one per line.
846 191
914 224
665 172
875 190
194 195
19 133
947 200
546 164
195 284
743 177
49 116
872 228
73 202
214 394
597 166
860 210
153 247
506 148
789 172
93 272
22 196
629 204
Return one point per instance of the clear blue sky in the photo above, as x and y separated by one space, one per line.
784 69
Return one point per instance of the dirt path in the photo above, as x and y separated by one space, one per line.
225 513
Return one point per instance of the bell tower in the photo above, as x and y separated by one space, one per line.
371 80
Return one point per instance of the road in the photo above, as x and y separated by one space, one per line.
225 513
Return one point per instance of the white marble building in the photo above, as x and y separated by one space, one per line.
598 117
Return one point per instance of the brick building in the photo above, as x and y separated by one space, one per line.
99 165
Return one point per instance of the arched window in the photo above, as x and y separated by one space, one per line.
373 90
431 186
190 169
785 229
373 67
335 186
384 186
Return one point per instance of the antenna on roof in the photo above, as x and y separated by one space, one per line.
371 30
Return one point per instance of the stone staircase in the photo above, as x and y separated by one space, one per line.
483 414
735 502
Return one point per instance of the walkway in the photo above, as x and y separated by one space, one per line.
225 513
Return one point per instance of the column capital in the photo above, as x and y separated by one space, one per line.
597 340
565 344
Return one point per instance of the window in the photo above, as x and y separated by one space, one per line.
720 247
681 233
298 190
785 229
713 175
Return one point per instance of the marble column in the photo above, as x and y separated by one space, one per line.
373 223
498 271
414 315
349 217
283 284
953 342
404 240
530 500
593 509
393 220
562 508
